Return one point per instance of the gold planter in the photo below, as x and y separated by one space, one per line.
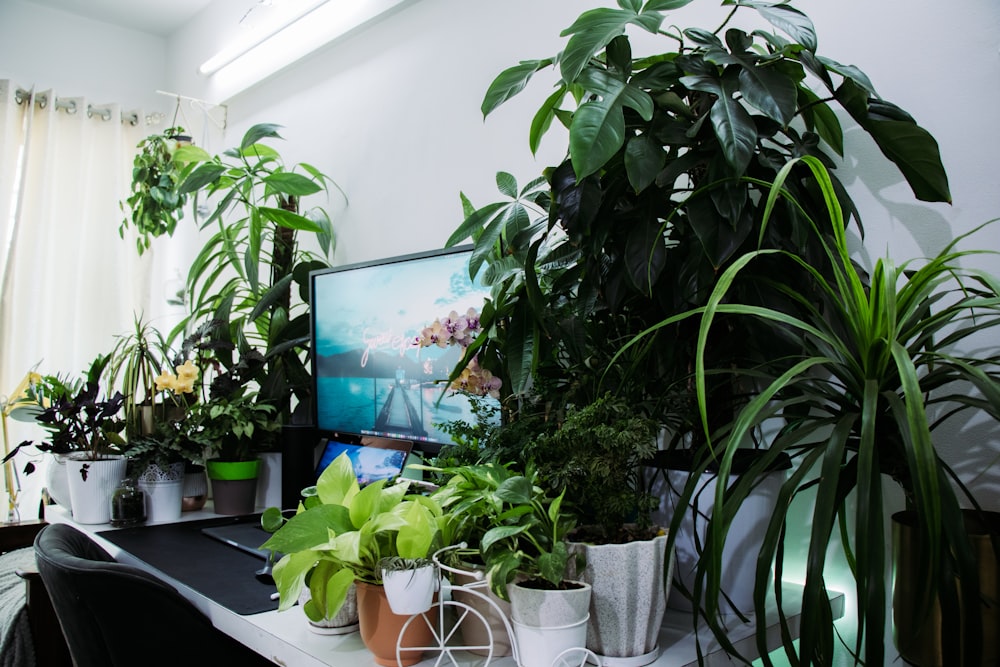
918 640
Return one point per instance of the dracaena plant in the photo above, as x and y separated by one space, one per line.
668 160
252 271
875 366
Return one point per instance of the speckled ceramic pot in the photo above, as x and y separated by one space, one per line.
628 599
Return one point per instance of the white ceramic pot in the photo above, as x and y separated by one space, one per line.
410 591
540 646
549 608
739 556
91 484
628 600
57 481
163 489
345 621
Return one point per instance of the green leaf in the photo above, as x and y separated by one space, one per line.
664 5
599 81
592 31
770 91
733 126
821 119
515 490
202 176
190 153
474 223
258 132
288 219
542 119
509 83
506 184
597 133
910 147
644 159
309 529
290 183
791 21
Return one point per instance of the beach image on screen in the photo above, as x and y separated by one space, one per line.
370 463
371 376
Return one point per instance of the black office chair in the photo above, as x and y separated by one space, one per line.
116 615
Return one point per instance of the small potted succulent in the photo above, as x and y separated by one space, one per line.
410 583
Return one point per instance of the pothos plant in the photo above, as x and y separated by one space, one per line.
155 204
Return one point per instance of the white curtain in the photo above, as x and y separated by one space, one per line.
68 283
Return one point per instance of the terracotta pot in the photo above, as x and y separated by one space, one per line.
380 629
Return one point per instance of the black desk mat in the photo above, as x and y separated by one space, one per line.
216 570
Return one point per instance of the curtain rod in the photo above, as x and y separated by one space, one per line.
70 106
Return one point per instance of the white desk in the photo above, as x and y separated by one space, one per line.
284 637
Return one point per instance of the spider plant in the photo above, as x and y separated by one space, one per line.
878 364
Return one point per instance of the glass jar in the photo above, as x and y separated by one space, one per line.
128 505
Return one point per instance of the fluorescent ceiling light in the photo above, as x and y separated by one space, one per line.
280 18
289 36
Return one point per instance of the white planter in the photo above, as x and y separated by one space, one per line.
345 621
57 480
163 489
549 608
540 646
269 480
739 556
628 600
91 498
410 591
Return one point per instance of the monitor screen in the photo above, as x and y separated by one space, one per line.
370 375
375 459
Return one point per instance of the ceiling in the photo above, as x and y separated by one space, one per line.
153 16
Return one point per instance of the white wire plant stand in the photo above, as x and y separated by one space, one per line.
446 616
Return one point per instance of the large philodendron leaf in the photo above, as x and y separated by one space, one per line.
598 129
645 256
789 20
910 147
510 82
644 160
733 126
593 30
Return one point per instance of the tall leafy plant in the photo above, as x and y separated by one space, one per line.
668 164
877 367
252 272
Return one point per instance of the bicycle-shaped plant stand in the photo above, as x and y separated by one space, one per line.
446 632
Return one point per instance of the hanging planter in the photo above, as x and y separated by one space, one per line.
410 584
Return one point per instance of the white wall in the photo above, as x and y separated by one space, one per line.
76 56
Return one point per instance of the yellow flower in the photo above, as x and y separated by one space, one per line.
182 386
187 372
165 380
